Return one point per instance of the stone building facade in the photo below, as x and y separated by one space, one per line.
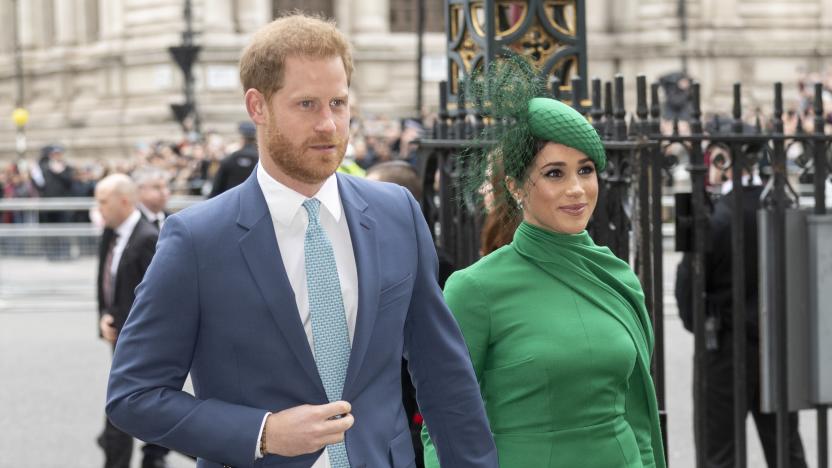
755 42
98 76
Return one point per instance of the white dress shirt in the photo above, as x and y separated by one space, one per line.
290 221
124 231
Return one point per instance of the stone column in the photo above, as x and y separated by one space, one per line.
371 16
724 13
66 31
826 14
599 17
111 18
7 39
252 14
26 22
218 15
343 18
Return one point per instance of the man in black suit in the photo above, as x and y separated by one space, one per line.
127 247
153 194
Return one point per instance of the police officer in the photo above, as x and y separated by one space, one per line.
237 166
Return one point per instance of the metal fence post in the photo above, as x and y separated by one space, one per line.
698 170
821 173
778 167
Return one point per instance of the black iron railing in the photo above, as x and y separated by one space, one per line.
629 214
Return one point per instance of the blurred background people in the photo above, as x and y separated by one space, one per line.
237 166
153 194
127 247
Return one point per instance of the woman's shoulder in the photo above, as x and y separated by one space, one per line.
503 257
488 268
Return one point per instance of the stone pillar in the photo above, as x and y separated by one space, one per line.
371 16
218 16
7 39
724 13
599 15
26 22
83 16
342 16
64 14
252 14
826 14
111 18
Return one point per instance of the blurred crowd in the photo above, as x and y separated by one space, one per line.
201 167
192 168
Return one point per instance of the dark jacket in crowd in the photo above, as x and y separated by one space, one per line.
56 184
718 264
234 169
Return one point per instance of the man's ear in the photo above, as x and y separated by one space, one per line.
256 106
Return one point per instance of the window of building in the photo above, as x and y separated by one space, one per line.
321 7
404 15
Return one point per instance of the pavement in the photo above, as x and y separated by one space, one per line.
54 371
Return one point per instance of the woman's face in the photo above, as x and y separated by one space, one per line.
560 191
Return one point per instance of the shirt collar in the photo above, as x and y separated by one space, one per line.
151 215
126 228
284 202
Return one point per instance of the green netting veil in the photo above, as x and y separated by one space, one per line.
512 94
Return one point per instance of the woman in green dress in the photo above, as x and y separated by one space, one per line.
555 325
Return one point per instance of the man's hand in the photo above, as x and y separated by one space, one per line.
108 331
307 428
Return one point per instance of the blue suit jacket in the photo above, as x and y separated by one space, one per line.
216 303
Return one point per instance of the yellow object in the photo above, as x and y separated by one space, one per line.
352 168
20 116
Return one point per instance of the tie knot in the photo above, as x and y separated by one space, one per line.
313 207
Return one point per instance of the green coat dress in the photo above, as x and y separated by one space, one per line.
560 341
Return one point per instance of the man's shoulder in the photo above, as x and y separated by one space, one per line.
372 190
145 229
211 212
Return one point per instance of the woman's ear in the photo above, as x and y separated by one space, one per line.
515 190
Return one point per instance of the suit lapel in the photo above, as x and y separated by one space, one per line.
124 260
261 253
365 248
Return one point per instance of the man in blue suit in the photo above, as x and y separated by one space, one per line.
292 298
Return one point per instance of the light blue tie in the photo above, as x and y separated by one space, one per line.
329 322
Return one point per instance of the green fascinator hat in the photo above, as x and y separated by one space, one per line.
551 120
512 95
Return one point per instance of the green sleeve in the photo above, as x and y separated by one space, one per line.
638 416
467 303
